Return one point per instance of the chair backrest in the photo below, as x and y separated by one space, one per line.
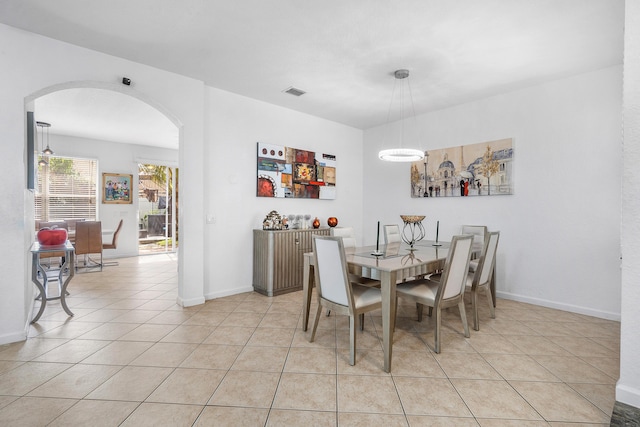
114 241
71 223
392 234
487 259
453 280
479 233
347 234
330 270
88 237
391 249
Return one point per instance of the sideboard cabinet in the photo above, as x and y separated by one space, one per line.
278 259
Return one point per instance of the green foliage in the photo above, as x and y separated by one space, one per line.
158 174
61 165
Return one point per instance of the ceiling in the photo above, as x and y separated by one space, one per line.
341 52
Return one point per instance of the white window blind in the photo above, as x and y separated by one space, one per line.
67 189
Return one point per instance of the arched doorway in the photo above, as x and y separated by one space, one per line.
83 114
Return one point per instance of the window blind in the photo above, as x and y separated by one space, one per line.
67 189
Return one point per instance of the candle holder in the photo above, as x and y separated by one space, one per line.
413 231
377 252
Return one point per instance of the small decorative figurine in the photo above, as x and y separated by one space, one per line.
332 221
273 221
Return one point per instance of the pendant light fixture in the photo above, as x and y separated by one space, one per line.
47 151
401 153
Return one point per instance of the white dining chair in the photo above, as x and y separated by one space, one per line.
447 291
481 278
392 234
479 233
348 236
349 243
336 292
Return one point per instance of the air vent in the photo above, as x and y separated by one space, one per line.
294 91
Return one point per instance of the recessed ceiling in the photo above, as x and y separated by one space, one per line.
343 53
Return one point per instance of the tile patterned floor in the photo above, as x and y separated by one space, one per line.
132 357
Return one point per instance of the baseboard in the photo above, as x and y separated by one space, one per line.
190 302
13 337
228 292
627 395
560 306
213 295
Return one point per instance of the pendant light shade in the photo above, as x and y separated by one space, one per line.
401 153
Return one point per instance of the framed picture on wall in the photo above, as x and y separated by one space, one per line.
481 169
116 188
287 172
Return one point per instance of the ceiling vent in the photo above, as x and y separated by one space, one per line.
294 91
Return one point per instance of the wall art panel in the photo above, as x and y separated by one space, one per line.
484 169
294 173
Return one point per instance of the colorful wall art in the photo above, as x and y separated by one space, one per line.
484 169
116 188
294 173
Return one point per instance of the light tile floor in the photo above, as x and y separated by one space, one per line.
131 356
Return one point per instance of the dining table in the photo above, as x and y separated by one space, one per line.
398 262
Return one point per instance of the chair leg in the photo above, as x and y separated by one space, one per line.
352 340
362 321
328 312
492 309
315 324
474 309
437 331
420 308
463 317
430 311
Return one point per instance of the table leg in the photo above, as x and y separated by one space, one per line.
388 289
35 267
307 289
68 264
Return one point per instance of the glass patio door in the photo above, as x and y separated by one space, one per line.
157 207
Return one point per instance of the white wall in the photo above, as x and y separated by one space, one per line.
235 125
560 238
628 387
24 77
115 157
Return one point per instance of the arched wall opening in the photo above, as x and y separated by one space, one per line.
30 104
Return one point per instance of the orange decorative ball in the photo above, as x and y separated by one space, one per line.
332 221
316 223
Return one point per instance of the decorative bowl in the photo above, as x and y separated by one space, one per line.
412 219
52 236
